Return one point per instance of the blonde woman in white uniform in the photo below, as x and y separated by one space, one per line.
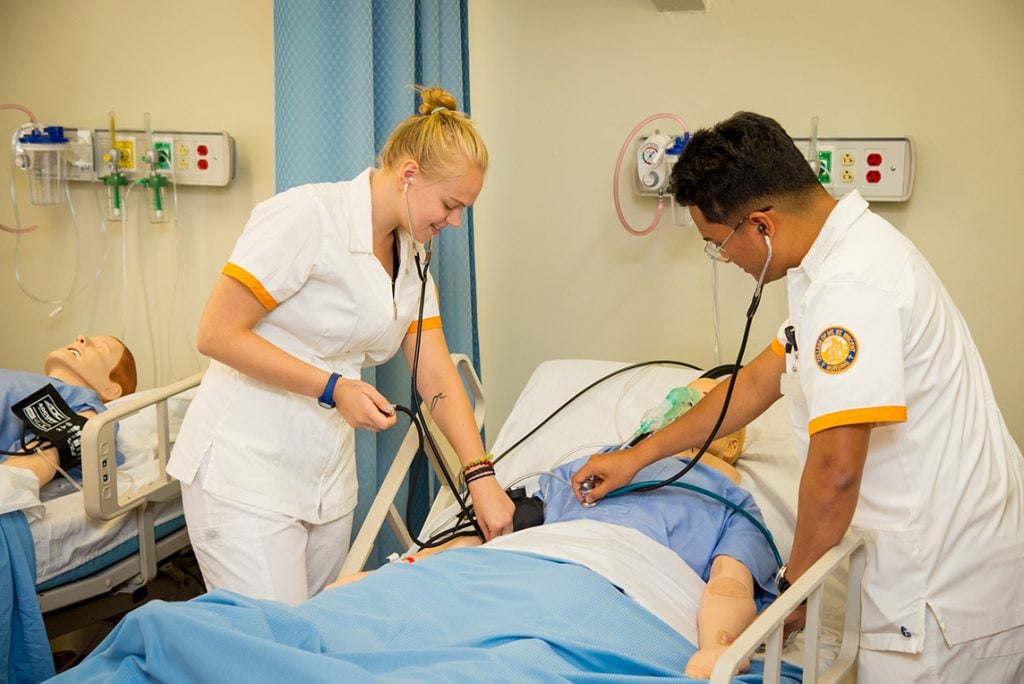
323 282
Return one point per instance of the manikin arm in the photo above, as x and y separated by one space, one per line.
726 609
41 463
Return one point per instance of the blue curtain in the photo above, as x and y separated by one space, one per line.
342 72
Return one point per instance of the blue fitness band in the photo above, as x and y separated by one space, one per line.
327 398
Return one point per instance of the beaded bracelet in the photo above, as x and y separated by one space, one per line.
469 470
485 460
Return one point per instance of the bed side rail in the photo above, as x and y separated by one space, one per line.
99 464
767 628
383 507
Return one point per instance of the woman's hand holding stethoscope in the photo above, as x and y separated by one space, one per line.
362 406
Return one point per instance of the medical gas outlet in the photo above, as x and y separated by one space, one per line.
184 158
880 169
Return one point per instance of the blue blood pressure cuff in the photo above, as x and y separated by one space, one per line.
47 415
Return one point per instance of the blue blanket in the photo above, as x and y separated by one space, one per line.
24 649
465 615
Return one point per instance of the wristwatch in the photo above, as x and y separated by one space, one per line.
780 579
326 399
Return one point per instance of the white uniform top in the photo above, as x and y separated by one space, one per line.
307 255
879 340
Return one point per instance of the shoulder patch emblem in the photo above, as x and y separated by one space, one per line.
835 350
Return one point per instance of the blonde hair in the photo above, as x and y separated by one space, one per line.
441 139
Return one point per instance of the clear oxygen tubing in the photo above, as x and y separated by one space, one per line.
186 329
154 356
570 400
715 321
124 285
813 154
17 229
622 394
618 168
73 290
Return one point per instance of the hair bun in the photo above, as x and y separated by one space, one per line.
434 99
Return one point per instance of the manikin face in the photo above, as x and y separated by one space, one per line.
728 447
436 204
87 361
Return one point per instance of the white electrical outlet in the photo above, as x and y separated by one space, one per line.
880 169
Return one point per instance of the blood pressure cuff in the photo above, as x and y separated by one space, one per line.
50 418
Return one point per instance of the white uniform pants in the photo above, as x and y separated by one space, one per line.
260 553
996 659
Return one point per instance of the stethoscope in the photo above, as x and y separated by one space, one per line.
421 269
416 414
755 301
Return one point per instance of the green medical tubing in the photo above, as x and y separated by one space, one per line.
721 499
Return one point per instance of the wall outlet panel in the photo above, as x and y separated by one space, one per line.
880 169
187 158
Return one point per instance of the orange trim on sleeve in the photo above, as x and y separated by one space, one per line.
251 282
432 323
875 414
777 347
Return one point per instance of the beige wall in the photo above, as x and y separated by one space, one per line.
557 86
194 66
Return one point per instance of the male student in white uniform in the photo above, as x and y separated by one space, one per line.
890 403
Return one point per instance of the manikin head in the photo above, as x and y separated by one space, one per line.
436 160
723 453
101 363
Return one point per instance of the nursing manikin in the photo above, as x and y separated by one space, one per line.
85 375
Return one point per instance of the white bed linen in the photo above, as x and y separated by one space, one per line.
649 573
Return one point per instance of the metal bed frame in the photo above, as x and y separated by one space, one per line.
103 501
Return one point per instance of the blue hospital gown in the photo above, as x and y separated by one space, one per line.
695 526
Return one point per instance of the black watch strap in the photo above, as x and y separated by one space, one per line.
780 579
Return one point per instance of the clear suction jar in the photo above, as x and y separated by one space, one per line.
42 158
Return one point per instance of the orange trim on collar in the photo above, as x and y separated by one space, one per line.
252 283
875 414
432 323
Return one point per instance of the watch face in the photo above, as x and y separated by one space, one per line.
324 404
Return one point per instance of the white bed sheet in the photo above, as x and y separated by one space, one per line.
65 537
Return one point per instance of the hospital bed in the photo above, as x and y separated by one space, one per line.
607 414
98 550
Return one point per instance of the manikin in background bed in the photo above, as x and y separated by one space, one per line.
613 589
87 373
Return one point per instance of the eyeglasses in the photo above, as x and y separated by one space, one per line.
717 252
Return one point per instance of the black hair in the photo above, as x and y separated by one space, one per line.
739 165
